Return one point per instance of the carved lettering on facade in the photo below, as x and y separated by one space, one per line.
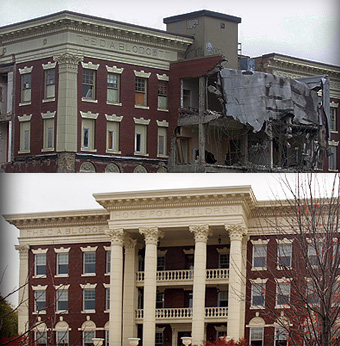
51 232
126 47
180 212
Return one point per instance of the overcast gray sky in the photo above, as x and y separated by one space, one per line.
308 29
26 193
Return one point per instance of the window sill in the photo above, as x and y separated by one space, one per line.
107 311
25 103
283 268
162 156
108 151
61 276
107 274
258 269
62 312
39 277
88 311
24 151
282 307
89 150
162 110
48 100
140 154
334 131
142 107
39 313
84 99
89 274
45 150
332 170
257 308
113 103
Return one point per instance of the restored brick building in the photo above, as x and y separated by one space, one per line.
157 265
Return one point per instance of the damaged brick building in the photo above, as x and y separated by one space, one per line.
116 97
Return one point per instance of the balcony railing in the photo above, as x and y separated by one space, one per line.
185 275
184 313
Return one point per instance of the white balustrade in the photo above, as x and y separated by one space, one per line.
173 313
217 274
185 275
213 312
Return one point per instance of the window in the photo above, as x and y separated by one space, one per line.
284 255
159 339
223 298
282 294
62 338
160 263
159 300
25 133
88 91
108 261
88 336
62 264
140 91
332 120
258 291
26 87
88 134
107 296
140 139
89 262
89 299
162 95
224 260
113 86
313 254
333 158
40 300
48 134
107 337
40 264
259 256
112 136
40 338
49 83
162 141
256 336
312 295
62 299
281 336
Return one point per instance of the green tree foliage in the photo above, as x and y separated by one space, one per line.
8 319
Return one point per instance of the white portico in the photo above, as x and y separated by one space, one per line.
154 222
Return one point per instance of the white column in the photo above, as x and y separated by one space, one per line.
23 312
151 236
116 285
201 234
236 291
67 102
130 291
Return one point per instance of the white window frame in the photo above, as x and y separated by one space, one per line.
113 125
25 133
40 335
258 285
251 334
87 298
49 128
279 334
37 258
283 288
107 260
89 68
62 335
114 70
141 130
89 126
163 88
284 250
92 334
25 72
87 256
333 164
223 297
259 244
107 298
62 296
162 144
40 296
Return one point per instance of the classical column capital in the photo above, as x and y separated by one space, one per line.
23 250
151 234
236 231
129 243
68 61
201 232
116 235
